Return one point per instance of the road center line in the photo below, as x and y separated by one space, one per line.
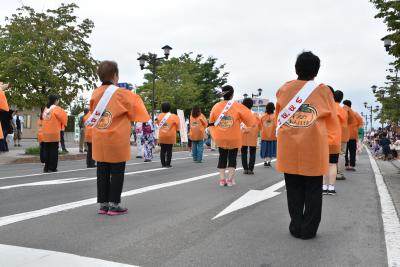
70 180
391 223
84 169
72 205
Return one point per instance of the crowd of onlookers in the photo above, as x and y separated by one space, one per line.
384 142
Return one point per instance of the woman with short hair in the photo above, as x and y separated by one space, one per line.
198 124
268 136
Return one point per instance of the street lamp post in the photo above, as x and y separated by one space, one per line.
152 59
370 116
259 90
365 116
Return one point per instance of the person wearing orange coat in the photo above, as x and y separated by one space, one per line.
303 146
226 133
334 140
54 118
268 135
3 105
249 140
111 136
167 133
198 124
90 163
351 148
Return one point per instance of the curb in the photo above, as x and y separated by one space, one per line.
36 159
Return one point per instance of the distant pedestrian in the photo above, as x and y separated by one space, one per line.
225 119
168 124
113 109
249 140
347 120
90 163
197 125
18 122
268 135
54 118
148 141
81 123
385 143
306 114
62 139
39 124
351 149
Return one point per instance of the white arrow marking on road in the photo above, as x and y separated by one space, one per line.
252 197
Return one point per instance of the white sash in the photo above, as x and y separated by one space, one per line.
164 120
227 107
46 112
101 106
286 113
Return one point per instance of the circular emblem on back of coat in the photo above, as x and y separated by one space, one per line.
304 117
105 120
226 122
166 127
268 123
195 124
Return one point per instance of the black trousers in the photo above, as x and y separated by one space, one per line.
50 156
41 152
225 156
89 159
62 141
351 149
110 180
166 154
304 196
252 158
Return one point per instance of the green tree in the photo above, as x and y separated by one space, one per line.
185 82
44 53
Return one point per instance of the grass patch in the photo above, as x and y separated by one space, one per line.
33 150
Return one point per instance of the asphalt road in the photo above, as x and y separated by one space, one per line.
170 220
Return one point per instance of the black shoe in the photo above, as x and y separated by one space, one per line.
265 164
147 160
66 151
332 192
45 170
342 177
112 211
168 166
19 145
92 166
246 172
325 192
139 157
55 170
250 172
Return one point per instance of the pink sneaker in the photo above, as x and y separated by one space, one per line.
230 182
222 182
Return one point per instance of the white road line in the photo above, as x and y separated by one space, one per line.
391 223
84 169
70 180
13 256
72 205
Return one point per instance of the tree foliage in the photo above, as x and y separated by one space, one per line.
44 53
185 81
389 95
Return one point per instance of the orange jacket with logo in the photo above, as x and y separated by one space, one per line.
3 106
197 127
268 124
39 124
88 130
343 119
357 123
302 145
335 136
227 134
250 134
53 123
111 135
167 133
350 120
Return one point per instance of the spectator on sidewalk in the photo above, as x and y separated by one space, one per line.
81 123
303 148
18 122
385 143
62 140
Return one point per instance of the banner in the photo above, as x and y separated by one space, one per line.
77 130
183 132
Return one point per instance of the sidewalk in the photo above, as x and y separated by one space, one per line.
17 154
391 174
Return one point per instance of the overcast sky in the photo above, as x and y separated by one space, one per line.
257 39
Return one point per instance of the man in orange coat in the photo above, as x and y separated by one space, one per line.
168 124
111 124
3 105
303 148
351 148
54 118
249 140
